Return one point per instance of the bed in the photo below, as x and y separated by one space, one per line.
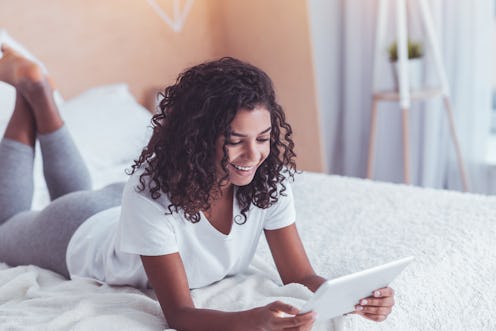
347 224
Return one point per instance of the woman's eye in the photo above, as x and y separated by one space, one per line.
260 140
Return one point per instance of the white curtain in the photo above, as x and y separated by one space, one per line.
464 29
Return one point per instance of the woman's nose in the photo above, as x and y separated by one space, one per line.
252 152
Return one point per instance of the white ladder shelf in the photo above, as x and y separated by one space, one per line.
404 96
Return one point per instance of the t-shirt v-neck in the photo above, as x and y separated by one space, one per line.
234 213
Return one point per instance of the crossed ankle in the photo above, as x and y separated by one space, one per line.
34 86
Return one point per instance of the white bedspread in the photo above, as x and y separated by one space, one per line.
347 225
37 299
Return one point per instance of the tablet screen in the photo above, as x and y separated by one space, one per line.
339 296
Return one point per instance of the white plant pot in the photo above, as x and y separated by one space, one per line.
414 67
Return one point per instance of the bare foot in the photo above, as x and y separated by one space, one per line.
17 70
35 87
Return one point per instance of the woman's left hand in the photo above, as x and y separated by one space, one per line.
378 306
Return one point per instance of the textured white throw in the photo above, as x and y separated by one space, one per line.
37 299
346 225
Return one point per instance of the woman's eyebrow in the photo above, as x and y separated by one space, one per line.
243 135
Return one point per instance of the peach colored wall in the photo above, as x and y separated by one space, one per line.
275 36
85 43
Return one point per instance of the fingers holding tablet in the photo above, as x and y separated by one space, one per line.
378 306
383 292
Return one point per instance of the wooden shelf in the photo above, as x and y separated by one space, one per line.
415 95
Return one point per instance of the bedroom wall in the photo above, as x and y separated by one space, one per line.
275 36
89 43
92 42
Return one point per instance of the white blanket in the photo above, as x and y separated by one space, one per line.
346 225
37 299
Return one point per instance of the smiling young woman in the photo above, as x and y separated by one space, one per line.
213 178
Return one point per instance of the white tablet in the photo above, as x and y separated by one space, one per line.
339 296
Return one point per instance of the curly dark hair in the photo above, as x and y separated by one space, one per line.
193 114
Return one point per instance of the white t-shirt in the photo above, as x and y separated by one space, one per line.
107 246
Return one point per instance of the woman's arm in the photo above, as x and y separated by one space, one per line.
290 258
167 276
294 267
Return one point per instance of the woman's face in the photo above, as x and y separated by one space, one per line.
247 147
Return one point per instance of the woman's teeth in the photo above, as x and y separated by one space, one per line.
242 168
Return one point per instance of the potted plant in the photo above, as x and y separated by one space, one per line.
414 62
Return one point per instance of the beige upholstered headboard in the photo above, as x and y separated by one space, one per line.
85 43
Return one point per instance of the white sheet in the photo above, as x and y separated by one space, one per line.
42 300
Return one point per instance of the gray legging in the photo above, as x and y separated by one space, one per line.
41 237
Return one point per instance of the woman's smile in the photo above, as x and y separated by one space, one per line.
244 171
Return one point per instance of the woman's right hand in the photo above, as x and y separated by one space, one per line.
270 318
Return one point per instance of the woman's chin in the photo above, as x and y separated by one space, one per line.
241 179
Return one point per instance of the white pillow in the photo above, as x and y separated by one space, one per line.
110 129
108 125
7 102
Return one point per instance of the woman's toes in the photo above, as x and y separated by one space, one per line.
9 53
5 48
